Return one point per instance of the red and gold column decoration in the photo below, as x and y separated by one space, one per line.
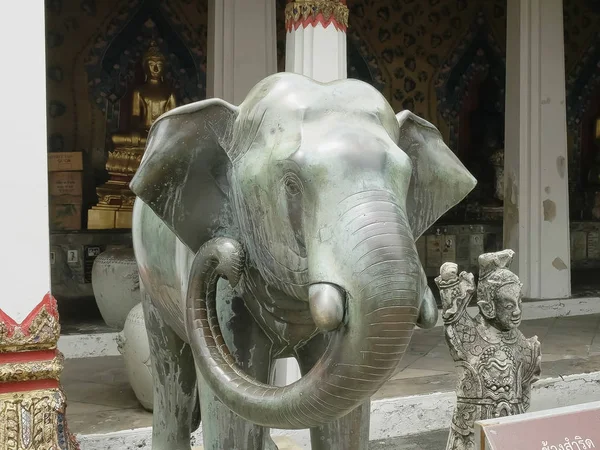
302 13
32 404
316 38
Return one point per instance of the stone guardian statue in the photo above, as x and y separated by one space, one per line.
496 365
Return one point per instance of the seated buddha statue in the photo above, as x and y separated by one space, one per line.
150 100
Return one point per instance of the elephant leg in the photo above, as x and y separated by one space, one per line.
350 432
176 409
222 428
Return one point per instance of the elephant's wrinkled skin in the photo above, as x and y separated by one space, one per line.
308 197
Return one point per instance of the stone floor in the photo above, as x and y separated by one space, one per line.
435 440
100 399
284 443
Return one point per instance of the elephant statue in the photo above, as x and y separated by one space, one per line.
284 227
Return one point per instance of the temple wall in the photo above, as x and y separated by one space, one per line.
409 49
415 45
413 42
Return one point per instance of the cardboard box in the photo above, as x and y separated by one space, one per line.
65 187
65 216
63 161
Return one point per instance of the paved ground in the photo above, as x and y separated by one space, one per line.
436 440
100 399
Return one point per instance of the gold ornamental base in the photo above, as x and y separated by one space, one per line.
114 208
115 199
108 219
123 218
101 219
32 404
34 420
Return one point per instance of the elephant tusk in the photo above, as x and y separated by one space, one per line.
428 313
326 303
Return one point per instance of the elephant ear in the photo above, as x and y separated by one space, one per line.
439 180
183 174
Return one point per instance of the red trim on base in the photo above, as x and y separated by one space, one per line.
315 21
47 302
21 386
34 355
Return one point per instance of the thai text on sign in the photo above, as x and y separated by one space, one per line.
570 428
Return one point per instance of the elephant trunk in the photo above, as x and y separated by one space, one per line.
377 269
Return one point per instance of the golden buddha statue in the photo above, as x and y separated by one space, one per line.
149 101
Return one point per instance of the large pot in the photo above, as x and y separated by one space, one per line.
133 345
116 285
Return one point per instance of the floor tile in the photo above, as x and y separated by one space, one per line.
434 363
118 395
107 370
417 373
98 422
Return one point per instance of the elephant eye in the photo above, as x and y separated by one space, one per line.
292 184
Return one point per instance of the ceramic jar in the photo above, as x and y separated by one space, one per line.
116 285
133 344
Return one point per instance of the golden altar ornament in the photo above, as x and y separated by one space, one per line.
32 403
149 101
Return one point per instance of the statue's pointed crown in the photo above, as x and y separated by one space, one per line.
153 51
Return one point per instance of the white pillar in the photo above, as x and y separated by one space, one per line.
242 47
536 205
25 266
242 50
28 313
316 39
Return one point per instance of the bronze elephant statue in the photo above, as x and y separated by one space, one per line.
307 198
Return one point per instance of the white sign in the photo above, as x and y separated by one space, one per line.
573 428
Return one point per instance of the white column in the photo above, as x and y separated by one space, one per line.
25 265
316 39
28 314
242 50
536 205
242 47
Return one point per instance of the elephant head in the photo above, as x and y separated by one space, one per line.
328 190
